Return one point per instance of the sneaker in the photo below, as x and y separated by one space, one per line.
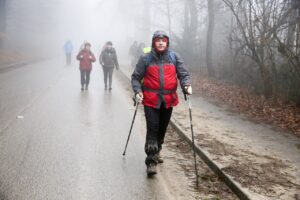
110 88
105 88
151 169
82 88
86 87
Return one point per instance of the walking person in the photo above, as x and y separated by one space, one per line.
68 47
132 53
86 58
140 50
158 70
108 60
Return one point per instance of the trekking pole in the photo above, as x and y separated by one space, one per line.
187 98
136 104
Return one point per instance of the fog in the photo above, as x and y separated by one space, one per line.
42 27
250 44
65 116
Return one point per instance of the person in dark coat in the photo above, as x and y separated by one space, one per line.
108 60
132 53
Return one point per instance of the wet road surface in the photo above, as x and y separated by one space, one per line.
68 144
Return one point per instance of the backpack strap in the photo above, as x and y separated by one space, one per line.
148 59
172 57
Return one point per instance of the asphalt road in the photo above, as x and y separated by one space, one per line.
57 142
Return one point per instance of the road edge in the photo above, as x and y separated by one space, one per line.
11 66
216 168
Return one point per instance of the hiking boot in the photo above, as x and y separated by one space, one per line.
151 169
159 158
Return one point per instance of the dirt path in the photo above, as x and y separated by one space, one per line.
9 57
262 160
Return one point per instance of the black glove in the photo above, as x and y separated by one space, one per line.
188 90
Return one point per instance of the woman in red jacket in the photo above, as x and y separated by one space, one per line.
86 58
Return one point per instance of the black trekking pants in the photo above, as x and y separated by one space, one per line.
108 73
157 121
85 77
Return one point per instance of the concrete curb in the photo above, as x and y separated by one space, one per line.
216 168
11 66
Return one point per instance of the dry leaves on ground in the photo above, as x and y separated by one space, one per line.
284 115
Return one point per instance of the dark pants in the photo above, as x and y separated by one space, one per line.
157 122
68 58
85 77
108 72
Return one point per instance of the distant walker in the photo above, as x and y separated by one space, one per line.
68 47
108 60
86 58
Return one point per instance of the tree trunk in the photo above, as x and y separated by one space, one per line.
290 38
169 20
186 27
209 41
268 89
193 20
2 21
147 18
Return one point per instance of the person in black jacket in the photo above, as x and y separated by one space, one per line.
108 60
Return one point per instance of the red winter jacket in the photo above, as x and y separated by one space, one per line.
86 58
160 79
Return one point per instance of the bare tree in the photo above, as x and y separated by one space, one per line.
209 41
165 8
190 26
169 18
268 33
2 21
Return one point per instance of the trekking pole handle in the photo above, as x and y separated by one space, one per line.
134 101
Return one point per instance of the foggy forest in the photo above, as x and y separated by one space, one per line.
243 56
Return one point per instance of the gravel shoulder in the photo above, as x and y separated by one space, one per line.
264 161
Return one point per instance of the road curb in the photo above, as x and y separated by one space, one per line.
216 168
11 66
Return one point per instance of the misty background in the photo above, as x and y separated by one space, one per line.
42 27
251 43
